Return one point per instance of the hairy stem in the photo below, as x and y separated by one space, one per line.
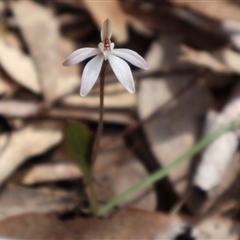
100 122
89 180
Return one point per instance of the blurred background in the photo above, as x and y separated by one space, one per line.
191 88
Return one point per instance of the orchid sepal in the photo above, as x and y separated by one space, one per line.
106 52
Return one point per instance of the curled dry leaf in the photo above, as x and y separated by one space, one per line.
19 66
41 31
14 108
51 172
25 143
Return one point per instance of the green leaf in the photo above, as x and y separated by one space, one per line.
77 139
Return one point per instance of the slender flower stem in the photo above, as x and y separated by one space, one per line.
101 110
89 180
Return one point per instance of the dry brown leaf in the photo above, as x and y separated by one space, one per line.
129 224
203 59
14 108
221 200
40 30
115 101
6 89
12 39
139 26
226 198
15 200
2 7
51 172
123 171
218 155
165 53
3 141
218 169
110 88
222 61
229 58
86 114
231 26
19 66
219 10
101 10
25 143
216 227
235 40
69 77
172 132
177 127
155 55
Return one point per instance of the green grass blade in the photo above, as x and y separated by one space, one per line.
158 175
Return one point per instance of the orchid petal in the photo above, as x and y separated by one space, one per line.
131 56
90 74
101 47
122 72
106 31
80 55
112 46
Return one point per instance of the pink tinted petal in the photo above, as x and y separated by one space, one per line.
122 72
90 74
106 31
80 55
101 48
131 56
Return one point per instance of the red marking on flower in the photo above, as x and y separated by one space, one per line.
107 44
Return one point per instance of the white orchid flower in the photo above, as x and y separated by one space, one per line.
106 51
